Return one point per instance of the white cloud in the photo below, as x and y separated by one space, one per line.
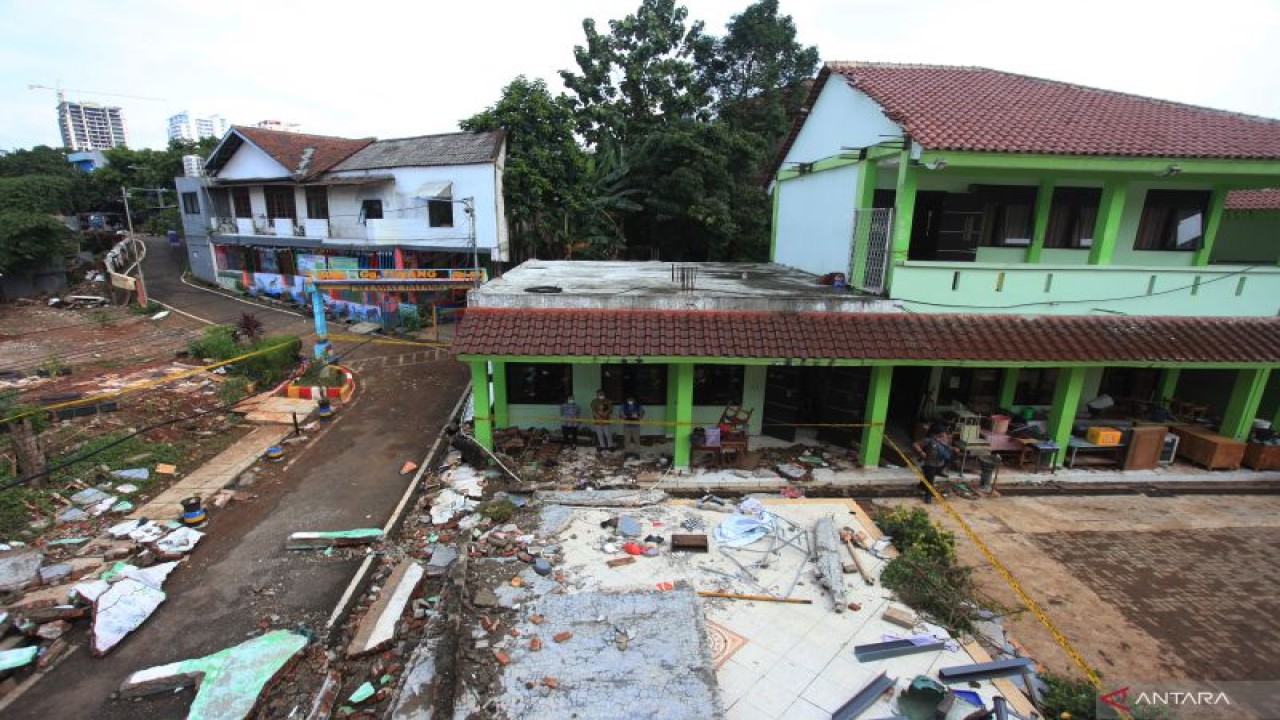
400 68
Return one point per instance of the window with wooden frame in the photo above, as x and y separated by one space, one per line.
539 383
717 384
646 383
440 213
1009 211
317 202
280 202
240 202
1173 220
1072 217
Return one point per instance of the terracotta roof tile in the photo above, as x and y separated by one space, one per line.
305 156
871 336
1253 200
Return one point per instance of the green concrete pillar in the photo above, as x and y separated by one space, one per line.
683 427
876 412
1242 408
501 417
1044 203
904 210
863 203
1008 388
1066 400
1212 221
480 396
1107 230
1168 386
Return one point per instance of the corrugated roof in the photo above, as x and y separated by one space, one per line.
1253 199
463 148
871 336
972 108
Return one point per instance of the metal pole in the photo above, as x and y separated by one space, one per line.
470 205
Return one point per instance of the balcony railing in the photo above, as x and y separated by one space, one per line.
1213 290
390 231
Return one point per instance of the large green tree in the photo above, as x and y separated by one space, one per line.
543 164
30 234
641 74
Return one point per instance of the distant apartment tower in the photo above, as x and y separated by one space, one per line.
90 126
185 127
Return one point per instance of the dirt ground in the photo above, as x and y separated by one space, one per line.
1145 588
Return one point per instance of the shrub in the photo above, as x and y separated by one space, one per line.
912 528
218 343
1076 696
233 390
274 365
934 586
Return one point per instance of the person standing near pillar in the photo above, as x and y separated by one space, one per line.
570 413
632 413
602 414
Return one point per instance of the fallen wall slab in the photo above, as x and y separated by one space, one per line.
378 627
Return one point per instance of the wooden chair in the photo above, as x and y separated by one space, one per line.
734 430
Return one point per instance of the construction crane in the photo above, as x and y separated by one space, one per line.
61 91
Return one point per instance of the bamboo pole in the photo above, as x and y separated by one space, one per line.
765 598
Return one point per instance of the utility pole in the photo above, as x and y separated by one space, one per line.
138 252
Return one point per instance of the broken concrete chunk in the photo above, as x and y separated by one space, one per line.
18 657
72 514
90 590
121 610
629 526
69 541
53 630
126 488
182 540
417 691
229 681
53 574
448 505
102 507
603 498
122 507
334 538
122 530
830 567
132 474
378 627
19 568
91 496
362 693
442 558
899 616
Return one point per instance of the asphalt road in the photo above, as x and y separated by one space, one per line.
162 270
241 578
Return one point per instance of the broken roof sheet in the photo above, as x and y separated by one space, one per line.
462 148
866 336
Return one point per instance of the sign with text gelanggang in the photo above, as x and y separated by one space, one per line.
423 275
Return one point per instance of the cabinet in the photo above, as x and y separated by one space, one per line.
1145 444
1208 449
1258 456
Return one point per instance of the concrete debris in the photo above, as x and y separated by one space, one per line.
132 474
126 488
416 696
552 519
90 590
362 693
322 706
67 541
830 567
103 507
442 558
464 479
229 682
19 568
122 507
448 505
180 541
900 616
334 538
54 574
603 498
53 630
378 626
72 514
130 600
588 678
18 657
90 496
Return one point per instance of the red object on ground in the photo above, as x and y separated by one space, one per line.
633 548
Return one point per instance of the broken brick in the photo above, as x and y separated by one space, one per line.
537 619
619 562
535 644
562 636
550 682
502 657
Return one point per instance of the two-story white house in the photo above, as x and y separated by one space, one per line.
279 205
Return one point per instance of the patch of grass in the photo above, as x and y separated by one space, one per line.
151 308
498 511
233 390
115 456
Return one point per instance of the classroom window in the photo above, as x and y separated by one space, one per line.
1173 220
1072 217
318 202
1035 386
190 203
717 384
539 383
646 383
1010 215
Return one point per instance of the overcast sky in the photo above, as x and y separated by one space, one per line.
391 69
